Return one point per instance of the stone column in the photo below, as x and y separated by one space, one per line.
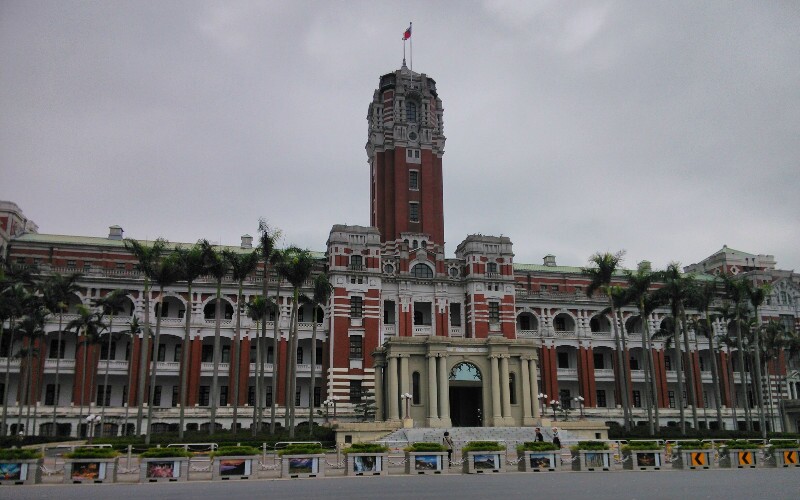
433 393
505 390
534 389
404 378
380 413
444 392
497 412
394 397
526 392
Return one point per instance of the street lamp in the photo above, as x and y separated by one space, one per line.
543 401
327 404
335 399
579 400
554 404
407 397
91 421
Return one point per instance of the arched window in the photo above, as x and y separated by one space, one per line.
422 271
415 390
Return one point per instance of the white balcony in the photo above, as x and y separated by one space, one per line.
169 366
422 330
564 373
604 374
113 366
389 330
66 365
527 333
456 331
267 369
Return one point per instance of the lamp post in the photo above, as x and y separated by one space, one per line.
554 404
543 401
579 400
335 399
91 420
407 398
327 404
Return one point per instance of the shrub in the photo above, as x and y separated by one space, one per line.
20 454
740 444
590 446
231 451
165 453
642 445
92 453
784 444
483 446
367 448
422 446
302 449
537 446
695 444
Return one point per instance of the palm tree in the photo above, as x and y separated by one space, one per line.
674 291
30 329
148 257
602 268
257 310
90 325
639 284
736 293
218 268
322 293
191 265
774 340
757 296
242 266
16 300
296 269
133 331
165 272
56 290
268 238
702 298
112 304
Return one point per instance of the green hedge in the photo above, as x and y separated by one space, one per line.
695 444
165 453
739 444
233 451
302 449
422 446
785 444
483 446
642 445
366 448
20 454
589 446
538 446
92 453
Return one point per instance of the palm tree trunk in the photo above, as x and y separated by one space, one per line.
620 367
653 379
292 362
83 378
58 372
626 360
742 374
236 347
185 359
217 356
154 370
287 383
313 369
144 354
692 376
759 385
647 373
25 378
676 346
257 381
276 338
105 377
8 378
714 371
732 390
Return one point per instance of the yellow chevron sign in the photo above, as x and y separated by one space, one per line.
698 458
790 457
746 458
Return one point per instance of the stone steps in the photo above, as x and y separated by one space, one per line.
461 435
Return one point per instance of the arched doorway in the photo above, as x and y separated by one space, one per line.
466 395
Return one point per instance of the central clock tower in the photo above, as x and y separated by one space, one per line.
405 148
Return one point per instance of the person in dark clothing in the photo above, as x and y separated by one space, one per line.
556 439
447 441
539 435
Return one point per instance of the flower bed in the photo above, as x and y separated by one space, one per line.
426 458
642 455
164 465
90 465
233 462
303 460
367 459
538 456
483 456
20 466
591 456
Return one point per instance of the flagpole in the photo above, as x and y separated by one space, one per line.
411 47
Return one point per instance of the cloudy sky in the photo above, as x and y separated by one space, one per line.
663 128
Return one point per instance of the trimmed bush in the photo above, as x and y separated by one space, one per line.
165 453
483 446
93 453
302 449
538 446
20 454
693 445
235 451
422 446
366 448
784 444
739 444
590 446
642 445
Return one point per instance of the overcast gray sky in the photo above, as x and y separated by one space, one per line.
663 128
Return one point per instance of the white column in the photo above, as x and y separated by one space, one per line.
505 390
497 412
433 393
534 389
444 390
526 391
394 397
379 376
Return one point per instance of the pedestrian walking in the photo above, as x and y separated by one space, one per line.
448 443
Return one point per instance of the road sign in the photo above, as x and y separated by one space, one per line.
746 458
790 457
698 458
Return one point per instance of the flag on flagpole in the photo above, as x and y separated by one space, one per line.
407 33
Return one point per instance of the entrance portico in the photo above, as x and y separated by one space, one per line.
457 382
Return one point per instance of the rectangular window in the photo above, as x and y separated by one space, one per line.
253 353
702 363
317 397
251 395
268 396
319 356
205 395
563 359
104 354
87 267
120 266
455 314
223 395
162 352
207 355
55 352
124 394
671 398
601 398
356 347
356 263
157 396
52 394
176 395
270 354
177 354
564 397
413 180
299 355
599 362
388 312
355 391
103 395
356 306
226 354
491 268
637 399
634 363
413 211
553 288
668 363
494 312
297 394
301 315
